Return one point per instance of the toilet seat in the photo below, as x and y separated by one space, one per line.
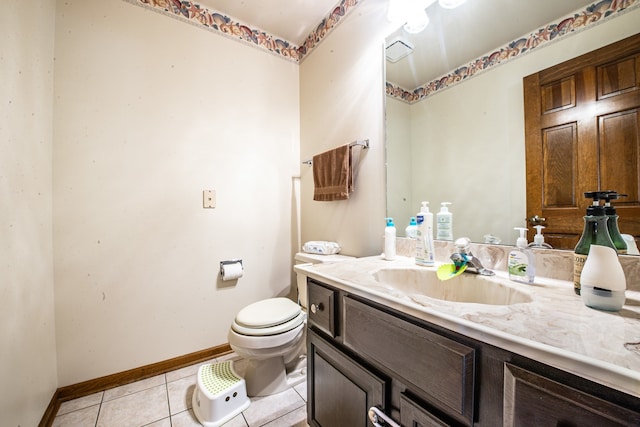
268 317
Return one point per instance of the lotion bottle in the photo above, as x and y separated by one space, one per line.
425 254
445 223
390 240
521 264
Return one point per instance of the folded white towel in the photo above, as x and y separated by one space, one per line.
321 248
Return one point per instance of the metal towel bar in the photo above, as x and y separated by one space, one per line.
364 143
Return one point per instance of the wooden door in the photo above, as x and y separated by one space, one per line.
582 133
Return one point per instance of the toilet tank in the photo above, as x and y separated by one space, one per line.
305 258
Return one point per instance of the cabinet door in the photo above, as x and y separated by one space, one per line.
534 400
414 415
340 390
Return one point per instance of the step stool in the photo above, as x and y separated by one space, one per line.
220 394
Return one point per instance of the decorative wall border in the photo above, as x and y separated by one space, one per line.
222 24
594 14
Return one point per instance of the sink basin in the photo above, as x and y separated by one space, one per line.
469 288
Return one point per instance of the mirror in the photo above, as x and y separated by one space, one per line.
464 143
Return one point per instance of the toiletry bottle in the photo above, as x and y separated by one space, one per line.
390 240
595 232
445 222
412 229
521 264
538 239
425 254
612 223
602 283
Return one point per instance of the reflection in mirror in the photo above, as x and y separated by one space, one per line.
463 141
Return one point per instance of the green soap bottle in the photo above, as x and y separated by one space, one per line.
612 224
595 233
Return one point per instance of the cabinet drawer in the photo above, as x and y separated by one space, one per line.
531 399
440 369
322 307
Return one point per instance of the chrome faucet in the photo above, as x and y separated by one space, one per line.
463 256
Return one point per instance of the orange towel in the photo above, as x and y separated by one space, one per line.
332 174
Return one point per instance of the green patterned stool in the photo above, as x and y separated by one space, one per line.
220 394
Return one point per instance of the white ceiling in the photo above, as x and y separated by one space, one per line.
290 20
453 38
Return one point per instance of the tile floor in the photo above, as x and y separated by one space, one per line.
165 401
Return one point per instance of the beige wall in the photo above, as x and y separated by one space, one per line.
468 141
27 330
150 111
342 100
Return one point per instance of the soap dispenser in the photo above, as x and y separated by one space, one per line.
390 240
445 222
521 263
538 239
602 283
612 223
425 254
412 229
595 232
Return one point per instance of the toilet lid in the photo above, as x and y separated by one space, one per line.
268 313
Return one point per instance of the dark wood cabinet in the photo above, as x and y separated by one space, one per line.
414 415
363 354
532 399
439 368
340 390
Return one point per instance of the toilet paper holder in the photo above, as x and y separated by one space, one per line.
229 262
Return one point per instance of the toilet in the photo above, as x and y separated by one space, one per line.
270 334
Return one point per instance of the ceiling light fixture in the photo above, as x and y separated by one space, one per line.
412 13
417 22
450 4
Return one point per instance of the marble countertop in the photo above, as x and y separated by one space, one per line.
555 327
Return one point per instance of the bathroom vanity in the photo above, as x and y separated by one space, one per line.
438 360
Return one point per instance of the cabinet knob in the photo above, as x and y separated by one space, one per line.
316 308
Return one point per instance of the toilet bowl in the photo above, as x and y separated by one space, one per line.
270 334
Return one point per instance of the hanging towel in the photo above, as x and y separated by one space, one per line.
332 174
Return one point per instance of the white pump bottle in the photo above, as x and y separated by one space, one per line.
521 264
425 254
390 240
445 222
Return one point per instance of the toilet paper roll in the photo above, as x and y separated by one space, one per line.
231 270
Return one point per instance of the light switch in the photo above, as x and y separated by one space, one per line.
209 198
